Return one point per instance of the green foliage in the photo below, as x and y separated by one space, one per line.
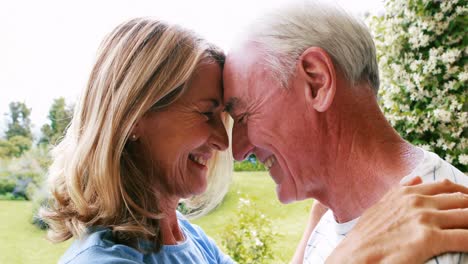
18 134
25 174
20 123
11 197
249 238
289 220
60 116
39 199
182 207
10 189
41 156
7 149
15 146
422 52
7 185
250 164
21 144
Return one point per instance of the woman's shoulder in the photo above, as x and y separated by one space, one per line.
194 231
203 242
98 247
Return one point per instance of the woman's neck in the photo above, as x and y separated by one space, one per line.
170 230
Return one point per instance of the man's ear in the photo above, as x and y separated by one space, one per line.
317 71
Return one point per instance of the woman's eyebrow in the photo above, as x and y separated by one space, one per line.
214 102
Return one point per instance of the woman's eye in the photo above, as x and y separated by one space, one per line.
208 114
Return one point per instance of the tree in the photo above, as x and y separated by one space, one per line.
18 134
60 116
7 149
422 52
15 146
20 124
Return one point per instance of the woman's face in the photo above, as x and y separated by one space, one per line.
182 137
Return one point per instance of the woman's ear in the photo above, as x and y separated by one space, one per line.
318 73
135 133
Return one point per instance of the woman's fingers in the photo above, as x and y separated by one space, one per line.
452 240
412 181
450 219
444 186
449 201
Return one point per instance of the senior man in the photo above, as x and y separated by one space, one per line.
302 90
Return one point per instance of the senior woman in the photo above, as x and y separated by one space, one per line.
148 131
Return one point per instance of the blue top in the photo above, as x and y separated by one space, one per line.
98 247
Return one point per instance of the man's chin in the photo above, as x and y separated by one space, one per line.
284 196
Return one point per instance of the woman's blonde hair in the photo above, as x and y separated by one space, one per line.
143 65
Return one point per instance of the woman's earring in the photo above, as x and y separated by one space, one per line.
133 137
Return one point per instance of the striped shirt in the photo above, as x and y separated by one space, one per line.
328 233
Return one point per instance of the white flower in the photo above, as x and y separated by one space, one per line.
463 158
449 158
435 81
452 70
243 201
443 115
253 233
433 52
449 85
450 56
414 65
258 242
459 10
426 147
463 76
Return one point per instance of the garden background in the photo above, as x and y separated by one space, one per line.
422 52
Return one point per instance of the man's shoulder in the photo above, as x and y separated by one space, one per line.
434 168
449 258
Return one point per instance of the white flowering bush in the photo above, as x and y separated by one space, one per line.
249 237
422 52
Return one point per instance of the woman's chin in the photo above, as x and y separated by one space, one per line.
200 189
194 190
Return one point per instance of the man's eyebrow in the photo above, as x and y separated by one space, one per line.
231 105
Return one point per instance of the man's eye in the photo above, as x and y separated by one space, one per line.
242 118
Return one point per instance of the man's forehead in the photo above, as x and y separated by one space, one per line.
241 64
243 56
234 68
240 75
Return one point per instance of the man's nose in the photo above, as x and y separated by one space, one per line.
241 146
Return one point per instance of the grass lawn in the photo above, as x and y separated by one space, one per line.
21 242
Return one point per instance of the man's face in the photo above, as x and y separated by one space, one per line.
268 121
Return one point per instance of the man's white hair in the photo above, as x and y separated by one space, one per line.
285 33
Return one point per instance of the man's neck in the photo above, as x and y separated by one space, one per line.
367 158
362 179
